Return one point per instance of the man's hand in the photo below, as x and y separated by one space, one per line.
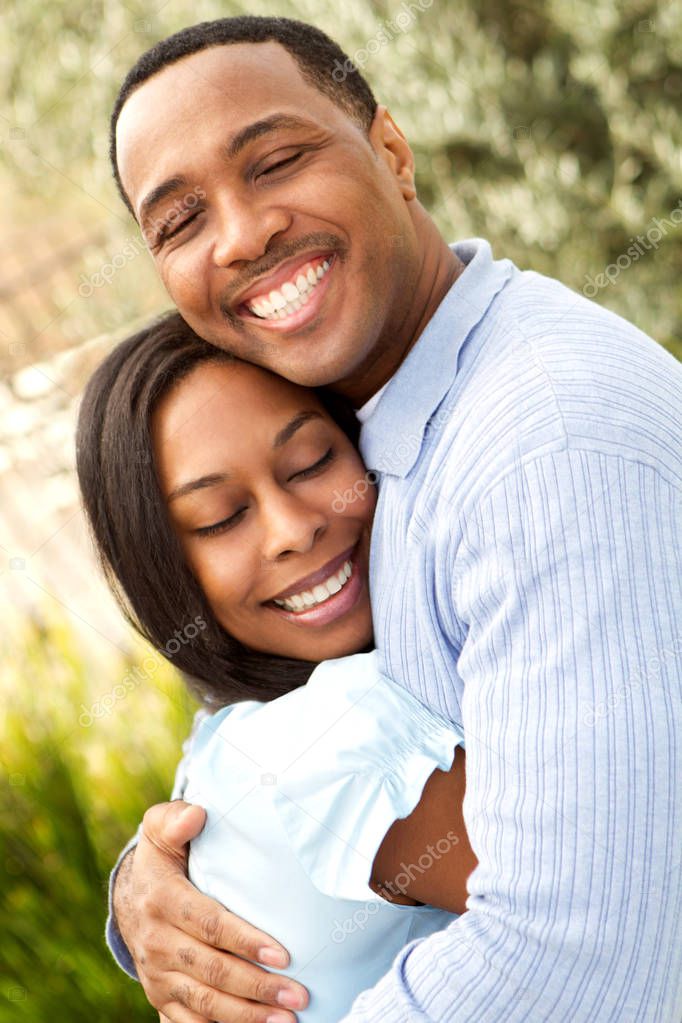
190 952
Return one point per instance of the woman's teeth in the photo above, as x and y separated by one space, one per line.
291 296
323 591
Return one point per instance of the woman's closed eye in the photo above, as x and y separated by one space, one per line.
320 464
236 517
222 526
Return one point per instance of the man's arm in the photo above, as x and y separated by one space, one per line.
123 866
188 951
569 585
119 881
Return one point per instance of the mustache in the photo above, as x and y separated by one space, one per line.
273 258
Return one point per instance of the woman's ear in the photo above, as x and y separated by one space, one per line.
390 144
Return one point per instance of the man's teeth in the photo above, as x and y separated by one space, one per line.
291 296
323 591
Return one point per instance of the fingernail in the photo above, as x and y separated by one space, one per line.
278 1017
269 956
290 999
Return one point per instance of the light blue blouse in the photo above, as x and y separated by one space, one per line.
299 794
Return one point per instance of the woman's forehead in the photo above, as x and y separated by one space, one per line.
217 390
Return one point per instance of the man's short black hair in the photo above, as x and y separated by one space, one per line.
321 61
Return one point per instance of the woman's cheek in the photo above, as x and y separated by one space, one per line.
349 482
210 566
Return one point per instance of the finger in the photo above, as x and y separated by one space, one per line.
209 922
170 826
223 1008
181 1014
231 975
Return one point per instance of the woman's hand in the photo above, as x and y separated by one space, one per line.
190 952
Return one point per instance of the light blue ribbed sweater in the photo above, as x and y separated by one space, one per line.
526 582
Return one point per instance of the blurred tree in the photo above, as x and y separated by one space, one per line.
553 128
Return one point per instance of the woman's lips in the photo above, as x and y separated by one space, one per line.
307 582
333 607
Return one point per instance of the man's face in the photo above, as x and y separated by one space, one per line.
280 230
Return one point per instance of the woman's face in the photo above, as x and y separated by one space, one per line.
257 478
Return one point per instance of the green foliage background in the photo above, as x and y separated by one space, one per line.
72 792
551 127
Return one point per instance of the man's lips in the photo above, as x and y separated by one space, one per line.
285 272
292 316
320 576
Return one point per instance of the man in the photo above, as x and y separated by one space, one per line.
525 554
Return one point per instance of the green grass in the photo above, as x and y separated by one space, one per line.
69 798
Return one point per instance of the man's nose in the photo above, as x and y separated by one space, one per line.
290 526
244 229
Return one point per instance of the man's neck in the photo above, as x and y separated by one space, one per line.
438 271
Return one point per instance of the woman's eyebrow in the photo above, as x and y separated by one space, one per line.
211 480
287 432
214 479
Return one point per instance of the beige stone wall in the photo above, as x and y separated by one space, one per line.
46 559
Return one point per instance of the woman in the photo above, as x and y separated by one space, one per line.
222 494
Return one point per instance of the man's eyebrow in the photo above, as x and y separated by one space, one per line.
214 479
158 193
263 127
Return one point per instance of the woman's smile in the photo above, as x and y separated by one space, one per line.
327 595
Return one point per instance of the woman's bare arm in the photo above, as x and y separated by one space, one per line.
426 857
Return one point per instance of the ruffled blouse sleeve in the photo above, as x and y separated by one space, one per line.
364 771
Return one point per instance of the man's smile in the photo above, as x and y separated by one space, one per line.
290 298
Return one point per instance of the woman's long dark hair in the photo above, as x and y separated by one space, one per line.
140 554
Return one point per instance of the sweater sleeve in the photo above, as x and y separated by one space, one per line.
114 940
569 589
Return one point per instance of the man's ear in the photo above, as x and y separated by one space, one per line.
390 144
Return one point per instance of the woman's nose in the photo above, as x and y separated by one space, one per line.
290 526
